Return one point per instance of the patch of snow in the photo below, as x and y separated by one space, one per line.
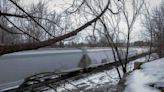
151 73
92 81
155 68
99 79
137 82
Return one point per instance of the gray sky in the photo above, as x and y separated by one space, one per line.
60 5
138 29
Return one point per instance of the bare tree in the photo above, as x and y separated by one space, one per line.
4 49
130 19
154 25
112 25
148 25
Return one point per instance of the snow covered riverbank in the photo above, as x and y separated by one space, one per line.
150 78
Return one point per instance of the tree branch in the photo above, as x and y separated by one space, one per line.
20 29
7 30
36 45
31 17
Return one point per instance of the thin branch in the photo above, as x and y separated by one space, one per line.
12 15
31 17
7 30
21 29
29 46
113 12
25 16
78 7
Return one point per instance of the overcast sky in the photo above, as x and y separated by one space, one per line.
60 5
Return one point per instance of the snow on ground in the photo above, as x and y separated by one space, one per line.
148 79
92 81
37 64
101 79
98 80
153 56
